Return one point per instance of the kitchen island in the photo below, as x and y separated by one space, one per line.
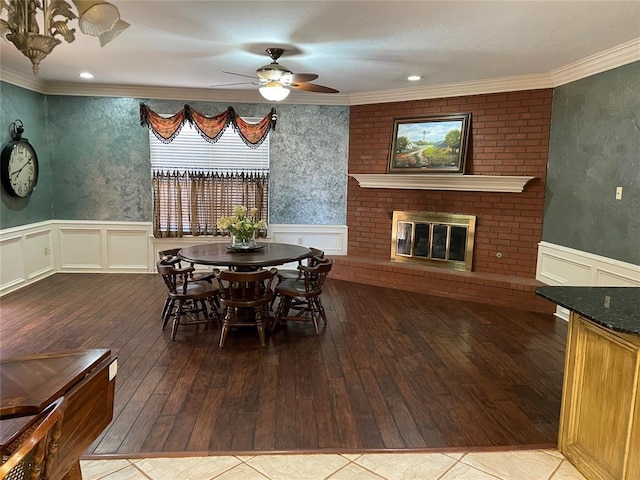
600 416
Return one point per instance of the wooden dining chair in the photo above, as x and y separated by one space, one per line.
30 455
316 254
300 297
187 299
245 298
284 274
171 256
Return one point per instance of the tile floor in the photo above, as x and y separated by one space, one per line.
511 465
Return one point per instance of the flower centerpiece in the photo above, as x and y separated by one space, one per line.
242 226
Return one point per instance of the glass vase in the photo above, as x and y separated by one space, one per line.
243 243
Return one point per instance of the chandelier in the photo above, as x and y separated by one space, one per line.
36 40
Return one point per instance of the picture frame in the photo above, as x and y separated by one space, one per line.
431 144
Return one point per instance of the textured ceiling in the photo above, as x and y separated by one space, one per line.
354 46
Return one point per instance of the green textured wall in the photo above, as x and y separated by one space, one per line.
101 159
594 148
102 169
94 158
30 107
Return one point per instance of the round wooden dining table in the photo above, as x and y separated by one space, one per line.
266 255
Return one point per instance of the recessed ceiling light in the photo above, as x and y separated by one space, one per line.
414 78
86 75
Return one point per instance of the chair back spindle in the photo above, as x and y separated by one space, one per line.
30 456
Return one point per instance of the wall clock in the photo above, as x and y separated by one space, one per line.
18 163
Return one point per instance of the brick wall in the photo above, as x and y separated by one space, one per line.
509 135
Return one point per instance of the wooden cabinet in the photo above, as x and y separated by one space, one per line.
600 416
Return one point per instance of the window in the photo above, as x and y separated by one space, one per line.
196 182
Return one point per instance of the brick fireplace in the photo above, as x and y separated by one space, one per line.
509 136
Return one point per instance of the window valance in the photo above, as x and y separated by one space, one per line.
210 128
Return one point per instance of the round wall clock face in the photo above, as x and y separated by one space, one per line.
19 168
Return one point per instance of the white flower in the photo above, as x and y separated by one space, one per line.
239 211
241 225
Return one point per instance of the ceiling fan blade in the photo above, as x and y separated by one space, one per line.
240 74
311 87
231 84
304 77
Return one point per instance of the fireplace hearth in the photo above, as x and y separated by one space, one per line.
432 238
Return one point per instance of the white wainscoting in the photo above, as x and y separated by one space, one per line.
559 265
26 255
88 246
31 252
330 238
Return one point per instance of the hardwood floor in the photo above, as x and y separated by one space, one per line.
392 370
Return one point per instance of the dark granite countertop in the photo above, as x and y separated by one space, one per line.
617 308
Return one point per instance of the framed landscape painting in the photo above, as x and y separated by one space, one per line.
434 144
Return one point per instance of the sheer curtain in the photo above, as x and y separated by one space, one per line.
191 203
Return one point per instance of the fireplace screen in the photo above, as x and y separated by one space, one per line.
439 239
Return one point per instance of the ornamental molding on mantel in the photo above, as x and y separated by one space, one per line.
460 183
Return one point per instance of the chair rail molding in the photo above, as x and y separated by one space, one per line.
463 183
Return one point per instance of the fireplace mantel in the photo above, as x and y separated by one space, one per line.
465 183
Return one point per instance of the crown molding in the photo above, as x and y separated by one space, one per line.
476 87
451 182
187 94
165 93
29 82
606 60
617 56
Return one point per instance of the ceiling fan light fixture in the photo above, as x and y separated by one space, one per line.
274 92
275 80
273 72
286 79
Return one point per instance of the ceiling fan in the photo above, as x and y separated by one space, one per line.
275 79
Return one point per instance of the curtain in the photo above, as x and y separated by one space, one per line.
210 128
165 129
191 203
